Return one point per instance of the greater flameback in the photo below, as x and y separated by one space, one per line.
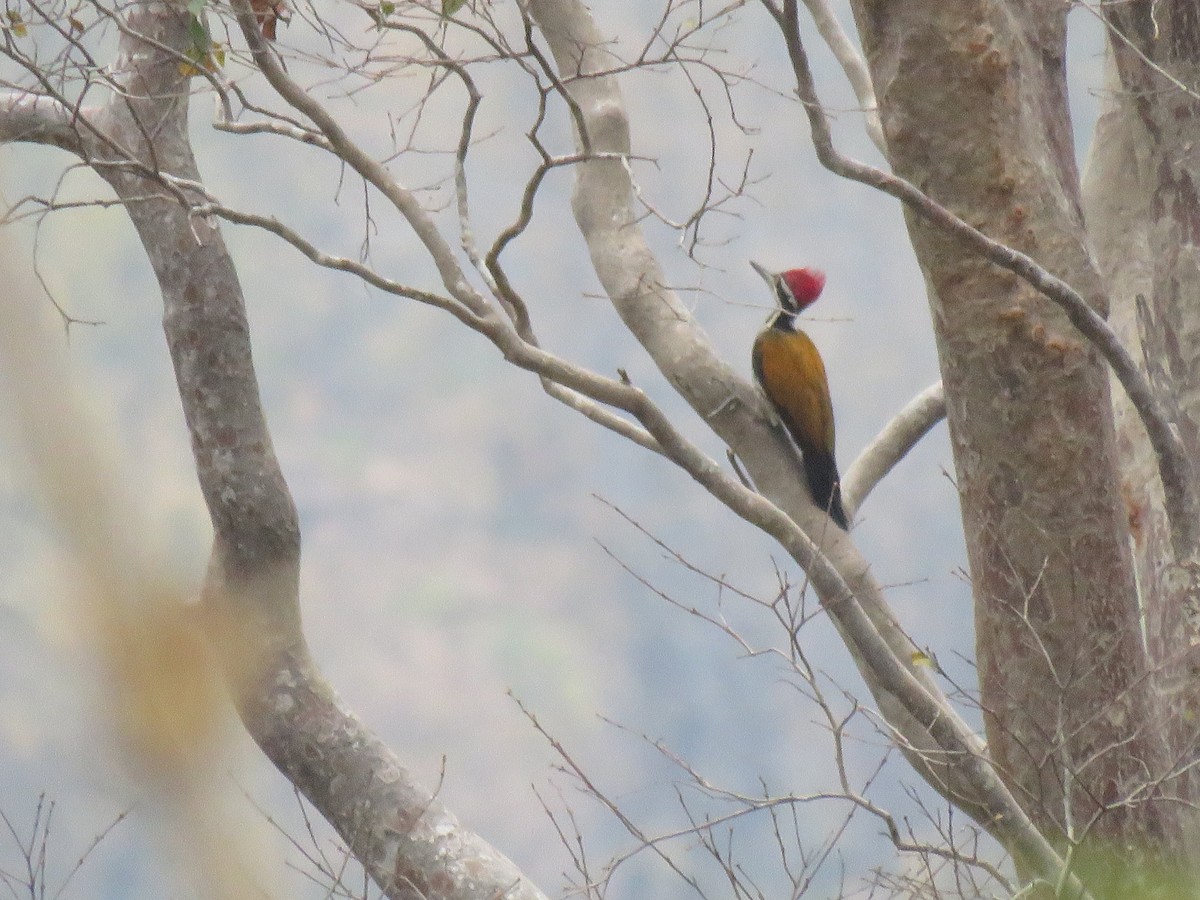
790 371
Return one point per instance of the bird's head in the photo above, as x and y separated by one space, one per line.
795 289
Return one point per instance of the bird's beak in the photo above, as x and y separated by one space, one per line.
767 275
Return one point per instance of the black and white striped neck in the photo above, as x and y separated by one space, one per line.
783 320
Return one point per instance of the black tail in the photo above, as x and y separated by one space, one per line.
823 482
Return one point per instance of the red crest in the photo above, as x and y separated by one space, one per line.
804 284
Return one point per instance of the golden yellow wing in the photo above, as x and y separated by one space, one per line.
792 375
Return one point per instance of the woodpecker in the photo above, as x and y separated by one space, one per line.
790 372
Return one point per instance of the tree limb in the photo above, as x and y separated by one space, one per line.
891 445
406 839
852 64
583 401
37 119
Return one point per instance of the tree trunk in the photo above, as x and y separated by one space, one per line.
974 105
1143 211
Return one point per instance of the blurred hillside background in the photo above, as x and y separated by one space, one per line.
460 526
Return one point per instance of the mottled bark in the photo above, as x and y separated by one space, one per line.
1143 210
973 101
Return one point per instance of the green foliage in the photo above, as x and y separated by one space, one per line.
16 24
202 53
1131 873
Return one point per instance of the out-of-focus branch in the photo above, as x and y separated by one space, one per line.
37 119
891 445
125 606
1175 468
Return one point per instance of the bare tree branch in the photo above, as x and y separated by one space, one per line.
137 141
406 839
581 401
852 64
38 120
892 444
370 169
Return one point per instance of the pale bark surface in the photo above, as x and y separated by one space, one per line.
973 100
1143 209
